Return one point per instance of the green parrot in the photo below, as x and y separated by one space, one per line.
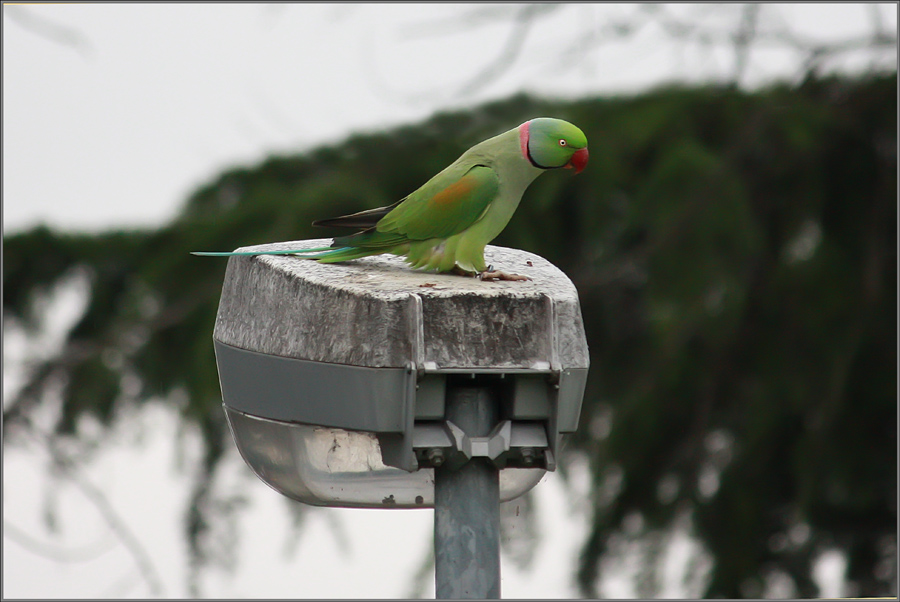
445 225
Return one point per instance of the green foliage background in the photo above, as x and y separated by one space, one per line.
735 254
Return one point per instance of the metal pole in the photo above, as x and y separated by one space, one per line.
467 506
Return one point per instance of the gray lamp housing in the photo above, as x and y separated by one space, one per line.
334 376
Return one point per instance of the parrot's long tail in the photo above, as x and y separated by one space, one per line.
241 253
321 254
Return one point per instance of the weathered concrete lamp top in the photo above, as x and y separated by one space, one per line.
326 367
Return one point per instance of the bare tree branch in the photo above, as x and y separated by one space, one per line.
812 51
49 30
745 32
743 37
468 21
524 19
121 586
56 552
66 466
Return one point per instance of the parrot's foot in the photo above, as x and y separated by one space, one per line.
491 274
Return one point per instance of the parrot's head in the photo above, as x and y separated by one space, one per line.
549 143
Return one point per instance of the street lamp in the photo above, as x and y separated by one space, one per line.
369 384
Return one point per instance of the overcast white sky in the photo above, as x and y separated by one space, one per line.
134 105
113 114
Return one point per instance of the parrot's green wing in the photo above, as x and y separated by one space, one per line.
440 209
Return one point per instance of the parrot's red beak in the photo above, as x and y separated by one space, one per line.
579 160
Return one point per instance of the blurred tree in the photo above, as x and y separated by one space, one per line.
735 256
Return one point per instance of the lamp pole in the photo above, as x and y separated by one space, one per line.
467 505
343 384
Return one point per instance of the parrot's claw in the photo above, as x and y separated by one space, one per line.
490 274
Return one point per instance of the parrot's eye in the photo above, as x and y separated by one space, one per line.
562 142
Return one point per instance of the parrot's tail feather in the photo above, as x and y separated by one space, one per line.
320 254
248 253
344 254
